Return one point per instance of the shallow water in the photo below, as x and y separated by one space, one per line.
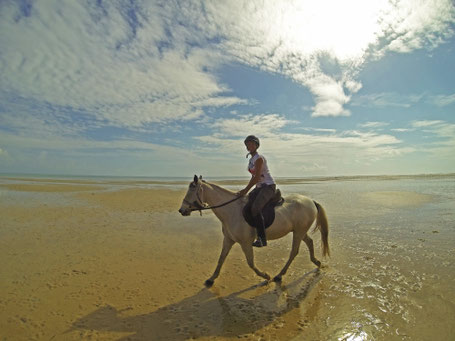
391 275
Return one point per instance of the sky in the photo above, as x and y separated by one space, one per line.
172 88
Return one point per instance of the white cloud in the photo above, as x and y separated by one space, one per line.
95 58
32 118
352 85
53 142
408 25
219 102
387 99
443 100
329 96
322 130
371 139
426 123
373 124
244 125
443 146
442 129
401 130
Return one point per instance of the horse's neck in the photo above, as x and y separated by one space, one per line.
216 195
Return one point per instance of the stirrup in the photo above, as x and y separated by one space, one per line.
259 243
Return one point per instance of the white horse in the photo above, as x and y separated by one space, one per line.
296 215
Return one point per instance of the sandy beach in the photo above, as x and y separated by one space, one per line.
103 261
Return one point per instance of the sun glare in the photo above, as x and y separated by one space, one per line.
342 28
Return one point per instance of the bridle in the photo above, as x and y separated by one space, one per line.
199 205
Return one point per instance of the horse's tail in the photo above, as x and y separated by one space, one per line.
323 225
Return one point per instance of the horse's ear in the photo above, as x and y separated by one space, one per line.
200 177
195 179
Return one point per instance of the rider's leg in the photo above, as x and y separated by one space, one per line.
265 194
260 229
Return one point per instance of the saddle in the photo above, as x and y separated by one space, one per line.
268 212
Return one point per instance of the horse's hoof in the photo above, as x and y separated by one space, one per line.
208 283
277 279
316 262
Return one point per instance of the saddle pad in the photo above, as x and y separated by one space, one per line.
268 212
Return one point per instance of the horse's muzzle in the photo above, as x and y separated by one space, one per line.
184 212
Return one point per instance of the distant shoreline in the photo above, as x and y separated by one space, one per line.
125 180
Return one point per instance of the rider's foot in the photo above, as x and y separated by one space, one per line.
260 243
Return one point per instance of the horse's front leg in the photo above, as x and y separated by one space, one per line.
248 251
296 239
227 245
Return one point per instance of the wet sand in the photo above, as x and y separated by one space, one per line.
89 260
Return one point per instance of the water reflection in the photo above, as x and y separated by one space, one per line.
361 336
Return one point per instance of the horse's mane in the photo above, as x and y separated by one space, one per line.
225 190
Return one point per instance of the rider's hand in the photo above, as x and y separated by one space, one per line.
241 193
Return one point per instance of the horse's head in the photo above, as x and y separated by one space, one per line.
192 200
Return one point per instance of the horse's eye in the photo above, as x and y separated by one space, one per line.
192 185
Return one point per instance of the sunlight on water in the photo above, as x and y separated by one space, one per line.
362 336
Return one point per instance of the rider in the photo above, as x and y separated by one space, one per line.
265 187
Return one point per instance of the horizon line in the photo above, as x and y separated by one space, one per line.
9 175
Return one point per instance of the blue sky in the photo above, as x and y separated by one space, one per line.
171 88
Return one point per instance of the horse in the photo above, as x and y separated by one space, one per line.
297 214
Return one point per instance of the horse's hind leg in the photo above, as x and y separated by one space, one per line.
296 240
227 245
248 251
309 242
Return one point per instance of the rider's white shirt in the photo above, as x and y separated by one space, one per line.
266 178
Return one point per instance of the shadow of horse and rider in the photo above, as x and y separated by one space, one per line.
205 314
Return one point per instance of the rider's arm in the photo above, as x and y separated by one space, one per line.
255 178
